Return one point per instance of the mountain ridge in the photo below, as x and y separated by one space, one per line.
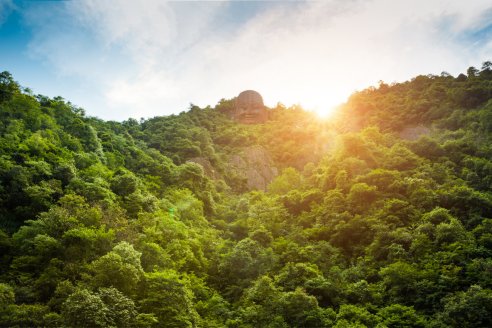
108 224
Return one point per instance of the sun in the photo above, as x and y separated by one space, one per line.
323 99
324 106
325 111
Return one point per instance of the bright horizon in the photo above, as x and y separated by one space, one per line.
121 59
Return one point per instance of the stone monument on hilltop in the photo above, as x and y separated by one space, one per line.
249 108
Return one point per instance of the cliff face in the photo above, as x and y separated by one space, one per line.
253 163
257 166
208 168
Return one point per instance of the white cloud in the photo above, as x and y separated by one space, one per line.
320 54
143 95
154 58
143 29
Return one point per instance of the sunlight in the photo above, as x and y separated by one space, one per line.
319 95
325 110
323 104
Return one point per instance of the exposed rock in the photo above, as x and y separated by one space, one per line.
414 132
249 108
253 163
208 169
256 164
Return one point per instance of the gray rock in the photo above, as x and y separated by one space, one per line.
256 165
208 168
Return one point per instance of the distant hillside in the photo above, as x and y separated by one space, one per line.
423 100
379 217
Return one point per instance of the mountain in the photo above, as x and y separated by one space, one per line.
378 217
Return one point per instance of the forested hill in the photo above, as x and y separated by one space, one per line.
379 217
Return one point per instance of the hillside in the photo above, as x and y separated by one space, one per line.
378 217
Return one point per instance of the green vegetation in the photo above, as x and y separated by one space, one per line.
107 224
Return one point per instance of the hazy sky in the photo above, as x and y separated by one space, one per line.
120 59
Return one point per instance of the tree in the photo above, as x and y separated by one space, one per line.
301 310
7 296
355 316
8 87
120 269
400 279
244 263
361 196
295 275
261 304
86 310
121 309
471 308
169 298
397 315
288 180
471 72
124 184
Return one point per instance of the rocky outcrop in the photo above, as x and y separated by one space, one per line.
256 165
249 108
208 168
253 163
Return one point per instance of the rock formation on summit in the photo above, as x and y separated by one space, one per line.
249 108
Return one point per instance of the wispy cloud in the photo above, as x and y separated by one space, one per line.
143 30
6 8
154 58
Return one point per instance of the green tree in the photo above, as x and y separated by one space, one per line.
85 309
397 315
169 298
120 268
470 308
8 87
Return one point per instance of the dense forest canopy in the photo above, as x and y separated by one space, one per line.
379 217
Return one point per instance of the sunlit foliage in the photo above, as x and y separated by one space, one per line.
380 217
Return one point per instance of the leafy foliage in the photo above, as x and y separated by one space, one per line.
381 217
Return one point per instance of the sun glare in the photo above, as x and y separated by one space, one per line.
322 98
323 106
325 103
325 110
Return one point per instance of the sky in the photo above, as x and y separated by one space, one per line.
126 58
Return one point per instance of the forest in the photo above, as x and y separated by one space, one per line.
380 216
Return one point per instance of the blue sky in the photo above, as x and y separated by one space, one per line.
121 59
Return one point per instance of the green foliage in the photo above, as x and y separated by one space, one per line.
397 315
124 184
289 179
85 309
120 269
6 296
121 310
169 298
471 308
355 316
381 217
8 87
